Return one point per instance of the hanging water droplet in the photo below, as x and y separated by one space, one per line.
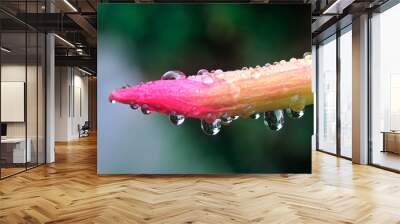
172 75
176 119
255 116
202 72
211 128
294 114
134 106
226 119
113 101
145 110
274 119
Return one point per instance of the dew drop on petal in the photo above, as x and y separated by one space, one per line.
211 128
255 116
245 68
294 114
113 101
145 110
172 75
226 119
176 119
274 119
207 80
134 106
202 72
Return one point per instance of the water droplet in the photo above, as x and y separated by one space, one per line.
211 128
245 68
293 60
274 119
258 67
294 114
218 71
255 116
235 117
145 110
282 62
207 80
113 101
275 63
202 72
134 106
172 75
256 75
267 65
176 119
226 119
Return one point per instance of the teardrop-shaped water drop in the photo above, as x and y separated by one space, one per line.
294 114
255 116
226 119
211 128
274 119
134 106
176 119
145 110
172 75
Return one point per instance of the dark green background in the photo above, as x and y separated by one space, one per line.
189 37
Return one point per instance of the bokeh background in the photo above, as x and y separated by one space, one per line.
140 42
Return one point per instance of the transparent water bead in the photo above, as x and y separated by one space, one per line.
172 75
145 110
211 128
274 119
255 116
294 114
207 80
176 119
226 119
113 101
202 72
134 106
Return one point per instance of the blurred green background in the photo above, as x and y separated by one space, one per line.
155 38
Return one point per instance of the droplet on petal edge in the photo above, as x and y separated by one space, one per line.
226 119
255 116
144 110
134 106
294 114
172 75
176 119
274 119
212 128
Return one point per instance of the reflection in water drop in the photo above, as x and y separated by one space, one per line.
176 119
145 110
172 75
255 116
294 114
134 106
211 128
113 101
226 119
274 119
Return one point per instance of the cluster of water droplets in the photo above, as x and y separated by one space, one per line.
274 120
